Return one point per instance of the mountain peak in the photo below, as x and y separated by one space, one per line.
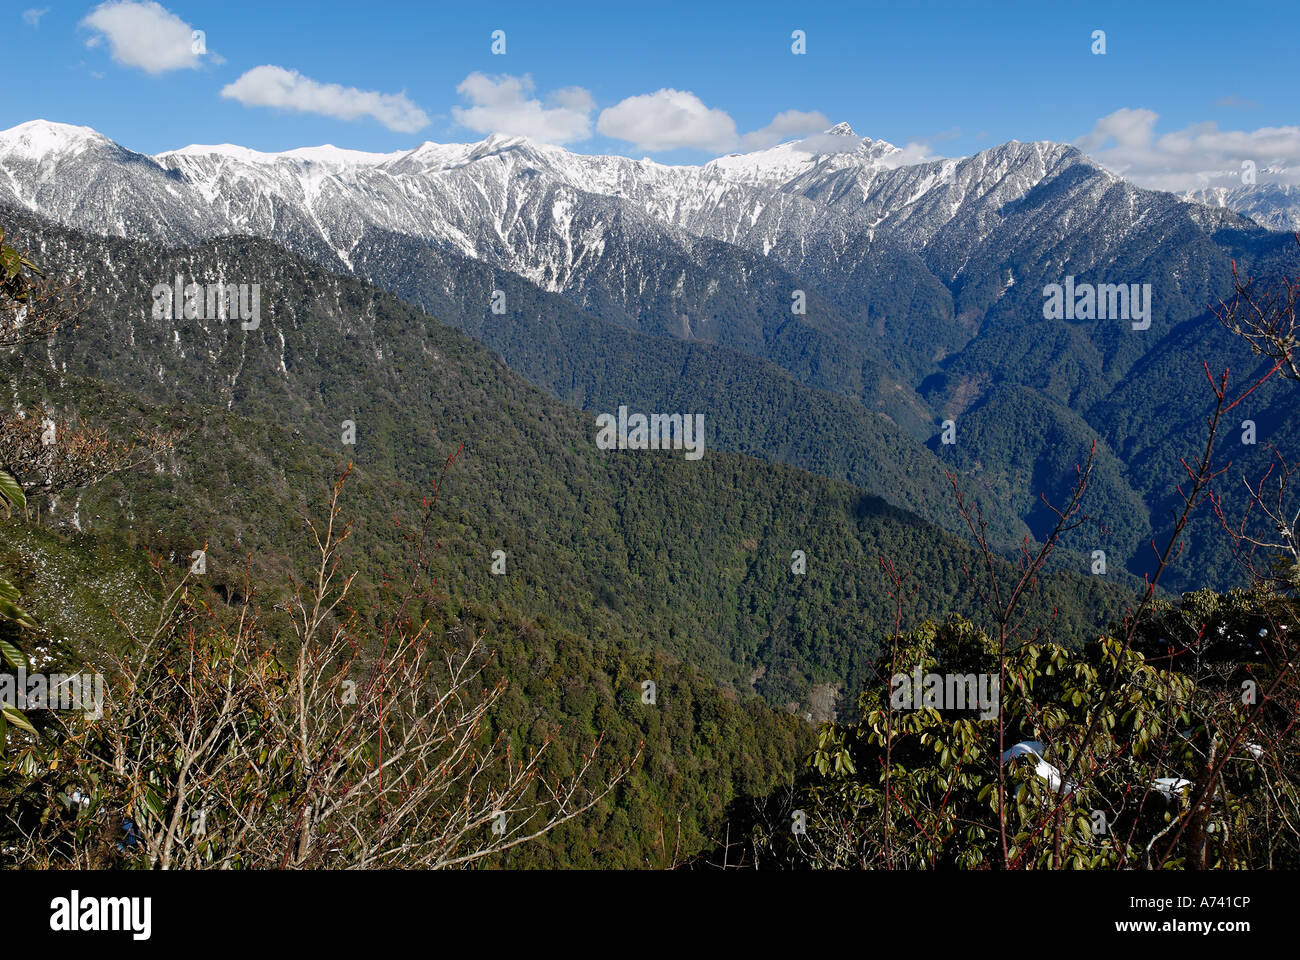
234 151
506 142
841 130
328 154
39 139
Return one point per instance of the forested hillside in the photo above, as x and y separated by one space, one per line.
658 535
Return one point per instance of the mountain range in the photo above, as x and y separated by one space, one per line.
824 303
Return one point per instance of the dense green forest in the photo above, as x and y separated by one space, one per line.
886 353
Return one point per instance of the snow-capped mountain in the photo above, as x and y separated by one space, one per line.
488 199
835 149
462 195
1275 203
813 206
710 252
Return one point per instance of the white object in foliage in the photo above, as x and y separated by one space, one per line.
1170 785
1044 770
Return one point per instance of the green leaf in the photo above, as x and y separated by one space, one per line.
10 262
15 717
11 611
13 656
152 802
11 493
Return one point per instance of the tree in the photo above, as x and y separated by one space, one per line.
33 306
47 454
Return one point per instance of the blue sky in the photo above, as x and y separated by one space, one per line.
951 78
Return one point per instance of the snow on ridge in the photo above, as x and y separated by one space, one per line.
233 151
834 148
537 209
325 154
329 154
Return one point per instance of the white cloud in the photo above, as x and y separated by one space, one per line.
271 86
1197 156
921 150
144 35
1127 128
33 17
791 123
505 104
668 119
912 153
665 120
672 119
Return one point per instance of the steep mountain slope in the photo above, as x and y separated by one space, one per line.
755 407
